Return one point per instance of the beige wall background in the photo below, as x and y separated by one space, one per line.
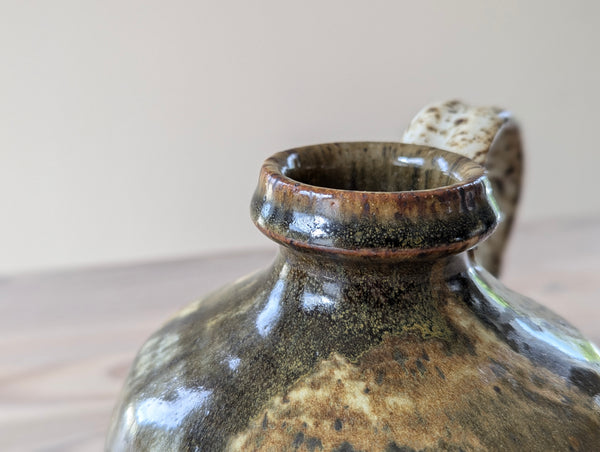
133 130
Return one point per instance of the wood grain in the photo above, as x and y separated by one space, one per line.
67 338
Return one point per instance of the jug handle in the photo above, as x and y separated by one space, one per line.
490 136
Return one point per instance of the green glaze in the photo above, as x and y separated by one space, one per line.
374 329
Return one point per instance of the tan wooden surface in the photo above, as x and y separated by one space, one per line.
66 339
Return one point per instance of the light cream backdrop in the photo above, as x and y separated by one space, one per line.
134 130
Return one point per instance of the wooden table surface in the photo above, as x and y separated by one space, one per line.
67 339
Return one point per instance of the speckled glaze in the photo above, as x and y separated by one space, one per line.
375 328
489 136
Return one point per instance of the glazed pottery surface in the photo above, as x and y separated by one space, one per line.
377 327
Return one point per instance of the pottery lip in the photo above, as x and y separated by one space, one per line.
447 208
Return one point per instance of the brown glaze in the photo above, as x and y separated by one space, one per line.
372 330
422 201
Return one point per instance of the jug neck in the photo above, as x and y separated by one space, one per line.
375 201
380 272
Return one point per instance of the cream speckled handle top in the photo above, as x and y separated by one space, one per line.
489 136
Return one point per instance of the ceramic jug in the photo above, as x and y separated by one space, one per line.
380 326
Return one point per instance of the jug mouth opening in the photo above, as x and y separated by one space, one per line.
374 199
375 169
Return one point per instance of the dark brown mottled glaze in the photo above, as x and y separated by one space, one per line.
388 200
374 329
